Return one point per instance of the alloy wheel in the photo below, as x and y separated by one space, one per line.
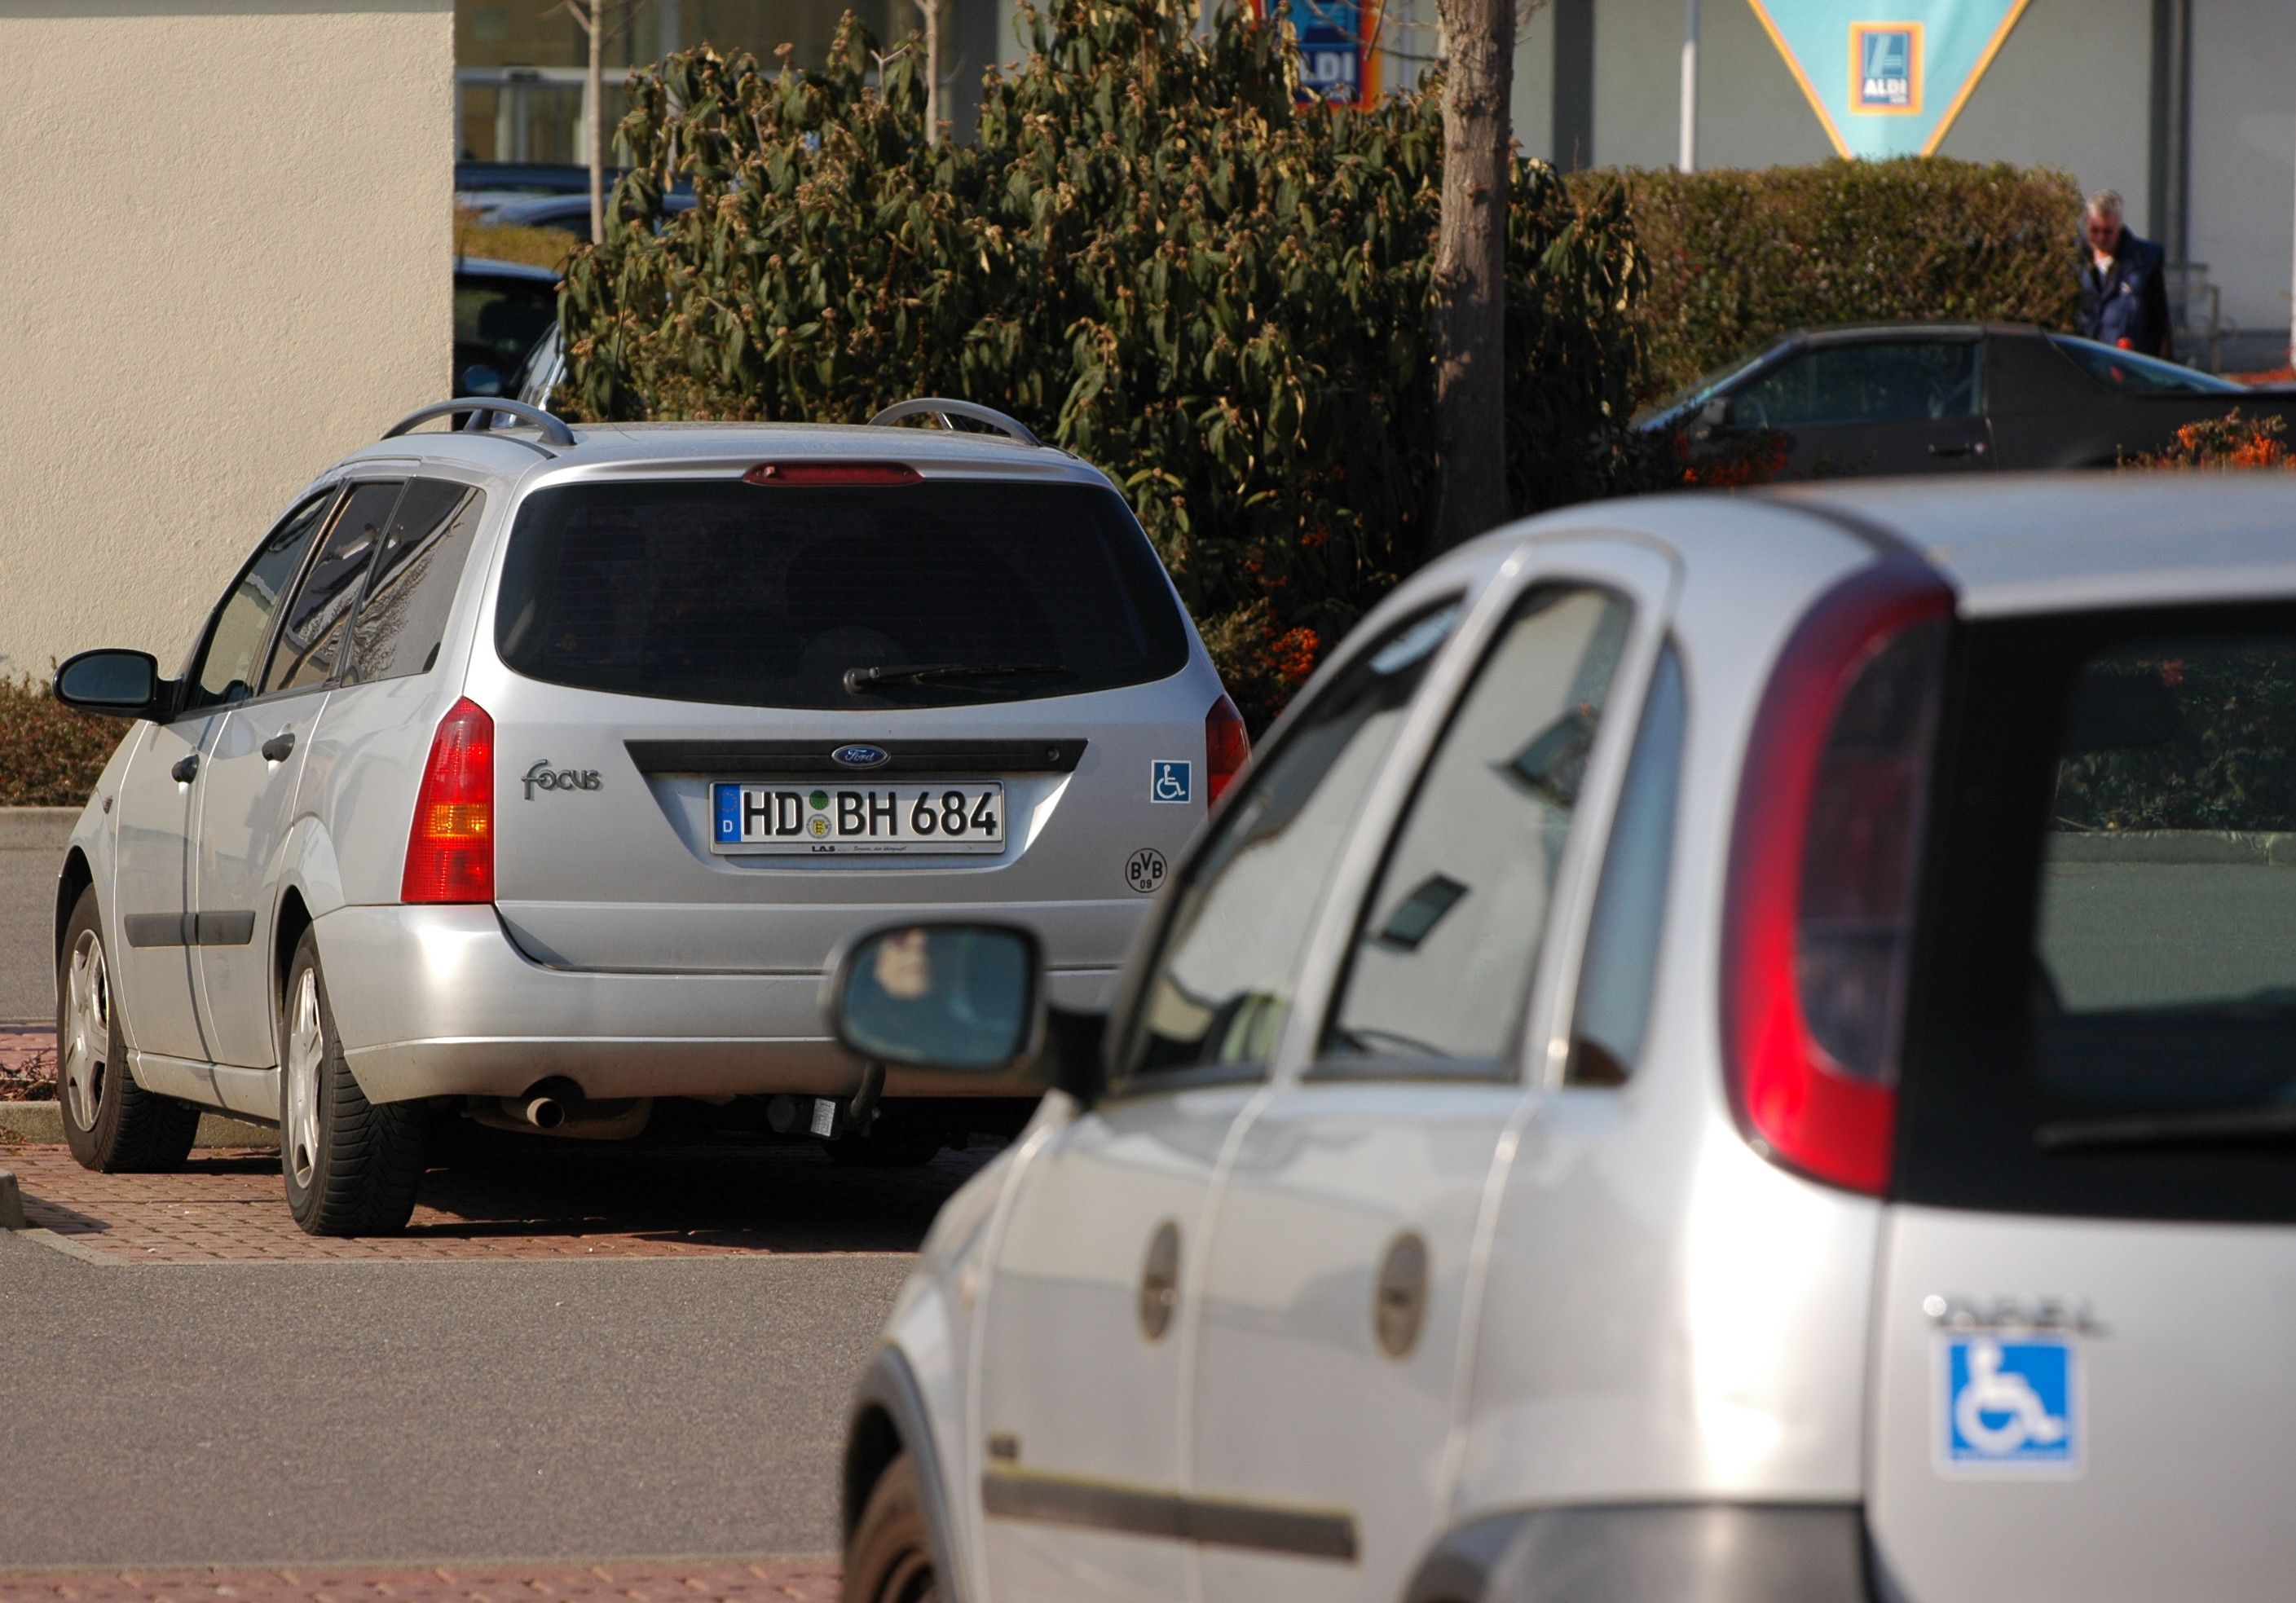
86 1046
306 1044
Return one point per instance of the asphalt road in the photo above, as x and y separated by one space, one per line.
324 1414
27 900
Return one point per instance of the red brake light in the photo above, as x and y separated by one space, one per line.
450 851
1824 862
1227 748
818 473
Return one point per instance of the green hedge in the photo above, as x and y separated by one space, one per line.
1148 254
1738 257
49 756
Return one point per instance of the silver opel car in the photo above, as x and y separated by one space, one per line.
1729 1048
529 774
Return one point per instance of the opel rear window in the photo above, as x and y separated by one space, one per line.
934 592
2104 1015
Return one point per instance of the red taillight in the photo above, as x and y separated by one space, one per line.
1226 747
817 474
450 851
1823 862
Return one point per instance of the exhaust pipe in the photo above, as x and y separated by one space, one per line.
563 1114
543 1113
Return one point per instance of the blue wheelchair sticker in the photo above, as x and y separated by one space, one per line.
1170 781
2009 1404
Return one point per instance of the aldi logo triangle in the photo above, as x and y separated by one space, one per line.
1887 77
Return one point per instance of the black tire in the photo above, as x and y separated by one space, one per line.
112 1124
890 1558
351 1165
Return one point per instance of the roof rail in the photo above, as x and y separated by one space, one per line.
934 406
482 410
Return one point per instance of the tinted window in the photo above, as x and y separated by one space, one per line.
1223 984
1899 381
403 619
227 666
1442 961
1611 1013
497 321
310 646
770 595
2127 371
2105 1005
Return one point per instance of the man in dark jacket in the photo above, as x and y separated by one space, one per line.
2124 299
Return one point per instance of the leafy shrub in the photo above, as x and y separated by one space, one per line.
1737 257
2228 442
1149 254
49 756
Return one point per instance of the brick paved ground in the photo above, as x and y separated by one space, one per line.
508 1197
717 1583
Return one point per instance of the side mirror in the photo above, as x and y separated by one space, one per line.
118 684
481 380
1715 414
960 998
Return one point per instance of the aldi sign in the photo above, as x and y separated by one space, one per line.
1339 61
1887 77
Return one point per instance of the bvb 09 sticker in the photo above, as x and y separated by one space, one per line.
2008 1404
1143 870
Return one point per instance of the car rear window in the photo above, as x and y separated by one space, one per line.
2103 1015
764 595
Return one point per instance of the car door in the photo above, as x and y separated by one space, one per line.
159 795
1082 1377
1340 1273
1875 406
247 796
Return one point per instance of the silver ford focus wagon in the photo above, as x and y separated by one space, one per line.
1732 1048
529 774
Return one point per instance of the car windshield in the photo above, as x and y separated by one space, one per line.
1699 391
2133 374
761 595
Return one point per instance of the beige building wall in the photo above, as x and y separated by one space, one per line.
225 259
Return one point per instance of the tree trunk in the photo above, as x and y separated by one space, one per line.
1471 272
932 10
595 23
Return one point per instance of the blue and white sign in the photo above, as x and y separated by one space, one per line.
1169 780
2008 1404
1887 77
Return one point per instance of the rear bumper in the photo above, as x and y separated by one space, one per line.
438 1001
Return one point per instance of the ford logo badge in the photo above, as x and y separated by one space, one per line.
860 756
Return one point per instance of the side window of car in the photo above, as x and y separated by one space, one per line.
1896 381
1611 1014
1222 985
310 646
1442 964
228 662
402 620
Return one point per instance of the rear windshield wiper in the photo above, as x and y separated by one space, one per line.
2220 1127
858 680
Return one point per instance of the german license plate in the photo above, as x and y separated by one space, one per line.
827 821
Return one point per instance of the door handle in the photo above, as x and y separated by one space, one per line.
1966 448
277 749
186 769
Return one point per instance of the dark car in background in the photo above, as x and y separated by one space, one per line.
502 310
568 212
1950 398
